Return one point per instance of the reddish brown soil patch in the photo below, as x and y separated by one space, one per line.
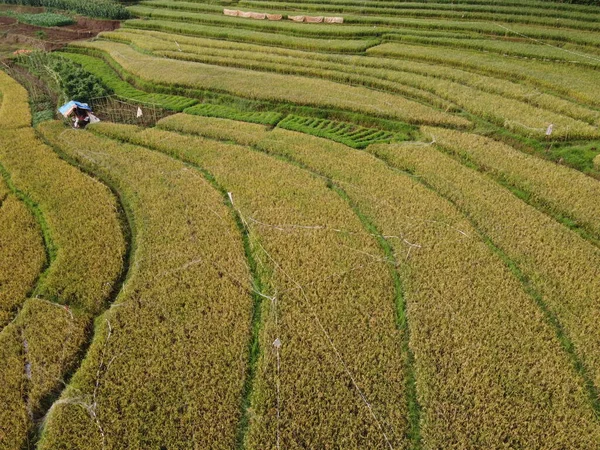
13 33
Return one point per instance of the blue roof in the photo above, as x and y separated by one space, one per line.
66 109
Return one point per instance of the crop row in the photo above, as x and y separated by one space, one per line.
227 112
285 28
206 48
170 358
233 34
550 35
336 67
334 301
572 20
344 132
565 6
22 251
578 83
472 317
514 115
597 162
271 87
125 90
525 8
563 267
86 255
564 191
503 47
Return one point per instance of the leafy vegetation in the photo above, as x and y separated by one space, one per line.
46 19
107 9
346 133
122 88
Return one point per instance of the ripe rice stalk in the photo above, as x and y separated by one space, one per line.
563 190
86 258
183 319
320 274
472 317
578 83
427 82
266 86
22 254
545 251
276 39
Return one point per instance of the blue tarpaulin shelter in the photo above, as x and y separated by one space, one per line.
68 108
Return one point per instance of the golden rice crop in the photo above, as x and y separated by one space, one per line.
472 317
577 82
22 254
597 162
82 218
14 104
563 267
215 128
37 349
565 191
435 85
267 86
86 246
514 115
234 34
169 359
334 311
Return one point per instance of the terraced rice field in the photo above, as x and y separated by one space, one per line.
376 234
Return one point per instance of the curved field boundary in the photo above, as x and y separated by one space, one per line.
407 215
188 294
281 40
22 254
125 90
547 253
332 309
487 73
79 218
577 83
529 118
266 86
563 191
508 104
